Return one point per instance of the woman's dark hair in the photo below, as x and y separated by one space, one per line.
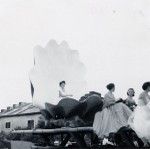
145 85
60 83
110 86
128 91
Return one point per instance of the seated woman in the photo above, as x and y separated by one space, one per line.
140 119
62 91
112 117
130 101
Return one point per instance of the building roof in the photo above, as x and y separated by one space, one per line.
20 109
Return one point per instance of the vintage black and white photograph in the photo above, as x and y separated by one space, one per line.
74 74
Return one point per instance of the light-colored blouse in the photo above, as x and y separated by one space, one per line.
109 99
144 99
62 93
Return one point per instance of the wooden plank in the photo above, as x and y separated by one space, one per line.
57 130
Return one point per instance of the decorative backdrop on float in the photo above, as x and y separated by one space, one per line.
52 64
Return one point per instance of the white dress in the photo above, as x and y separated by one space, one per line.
140 119
111 118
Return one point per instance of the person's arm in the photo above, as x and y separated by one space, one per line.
61 94
120 100
108 104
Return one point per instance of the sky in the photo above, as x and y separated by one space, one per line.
112 37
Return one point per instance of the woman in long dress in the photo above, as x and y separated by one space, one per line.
112 117
140 119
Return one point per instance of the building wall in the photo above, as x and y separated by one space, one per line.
17 121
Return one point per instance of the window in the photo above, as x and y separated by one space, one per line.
7 125
30 124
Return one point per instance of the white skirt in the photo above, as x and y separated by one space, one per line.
111 119
140 121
